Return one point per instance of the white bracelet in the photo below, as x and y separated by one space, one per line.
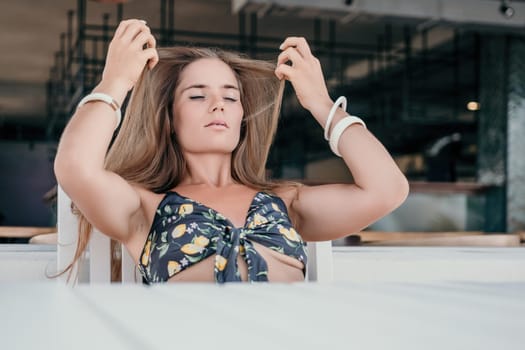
99 96
339 128
340 101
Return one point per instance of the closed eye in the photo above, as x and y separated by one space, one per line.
196 97
231 99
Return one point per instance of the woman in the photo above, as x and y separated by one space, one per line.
183 185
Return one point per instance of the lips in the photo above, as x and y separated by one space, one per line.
217 122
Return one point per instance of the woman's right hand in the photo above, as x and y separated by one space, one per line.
132 47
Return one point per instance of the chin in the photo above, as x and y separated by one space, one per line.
216 150
212 145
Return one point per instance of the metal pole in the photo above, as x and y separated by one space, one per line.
171 19
120 12
407 73
331 47
81 32
388 43
424 53
242 31
162 38
371 84
381 81
457 62
477 70
253 34
62 57
105 34
317 36
69 48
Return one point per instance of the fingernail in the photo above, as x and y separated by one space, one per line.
281 47
143 21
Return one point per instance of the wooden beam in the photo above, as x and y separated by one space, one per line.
45 238
374 236
24 231
447 187
487 240
470 188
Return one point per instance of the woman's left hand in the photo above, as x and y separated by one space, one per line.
305 74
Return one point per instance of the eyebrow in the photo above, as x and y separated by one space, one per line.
202 86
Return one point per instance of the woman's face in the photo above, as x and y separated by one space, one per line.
207 108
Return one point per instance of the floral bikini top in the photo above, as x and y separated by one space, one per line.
185 232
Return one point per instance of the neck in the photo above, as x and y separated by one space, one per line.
213 170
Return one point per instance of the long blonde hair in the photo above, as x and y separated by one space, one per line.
146 152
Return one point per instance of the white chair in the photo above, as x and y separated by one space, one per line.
319 268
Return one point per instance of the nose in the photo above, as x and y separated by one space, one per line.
217 104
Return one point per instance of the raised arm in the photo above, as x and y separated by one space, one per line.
107 200
333 211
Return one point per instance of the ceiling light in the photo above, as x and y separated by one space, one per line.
505 9
473 106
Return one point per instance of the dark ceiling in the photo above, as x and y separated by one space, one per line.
31 30
402 73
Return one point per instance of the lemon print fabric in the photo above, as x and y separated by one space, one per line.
185 209
184 232
178 231
173 268
220 262
258 220
290 234
145 254
196 247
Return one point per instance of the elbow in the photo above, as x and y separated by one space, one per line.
393 194
59 167
398 193
63 167
63 172
403 190
69 170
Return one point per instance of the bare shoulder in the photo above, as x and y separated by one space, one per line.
289 193
141 220
149 202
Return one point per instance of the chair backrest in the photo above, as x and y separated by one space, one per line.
98 269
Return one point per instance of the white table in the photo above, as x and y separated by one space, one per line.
342 315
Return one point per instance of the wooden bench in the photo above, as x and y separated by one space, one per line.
24 231
461 238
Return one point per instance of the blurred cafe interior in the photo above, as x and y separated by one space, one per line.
440 83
